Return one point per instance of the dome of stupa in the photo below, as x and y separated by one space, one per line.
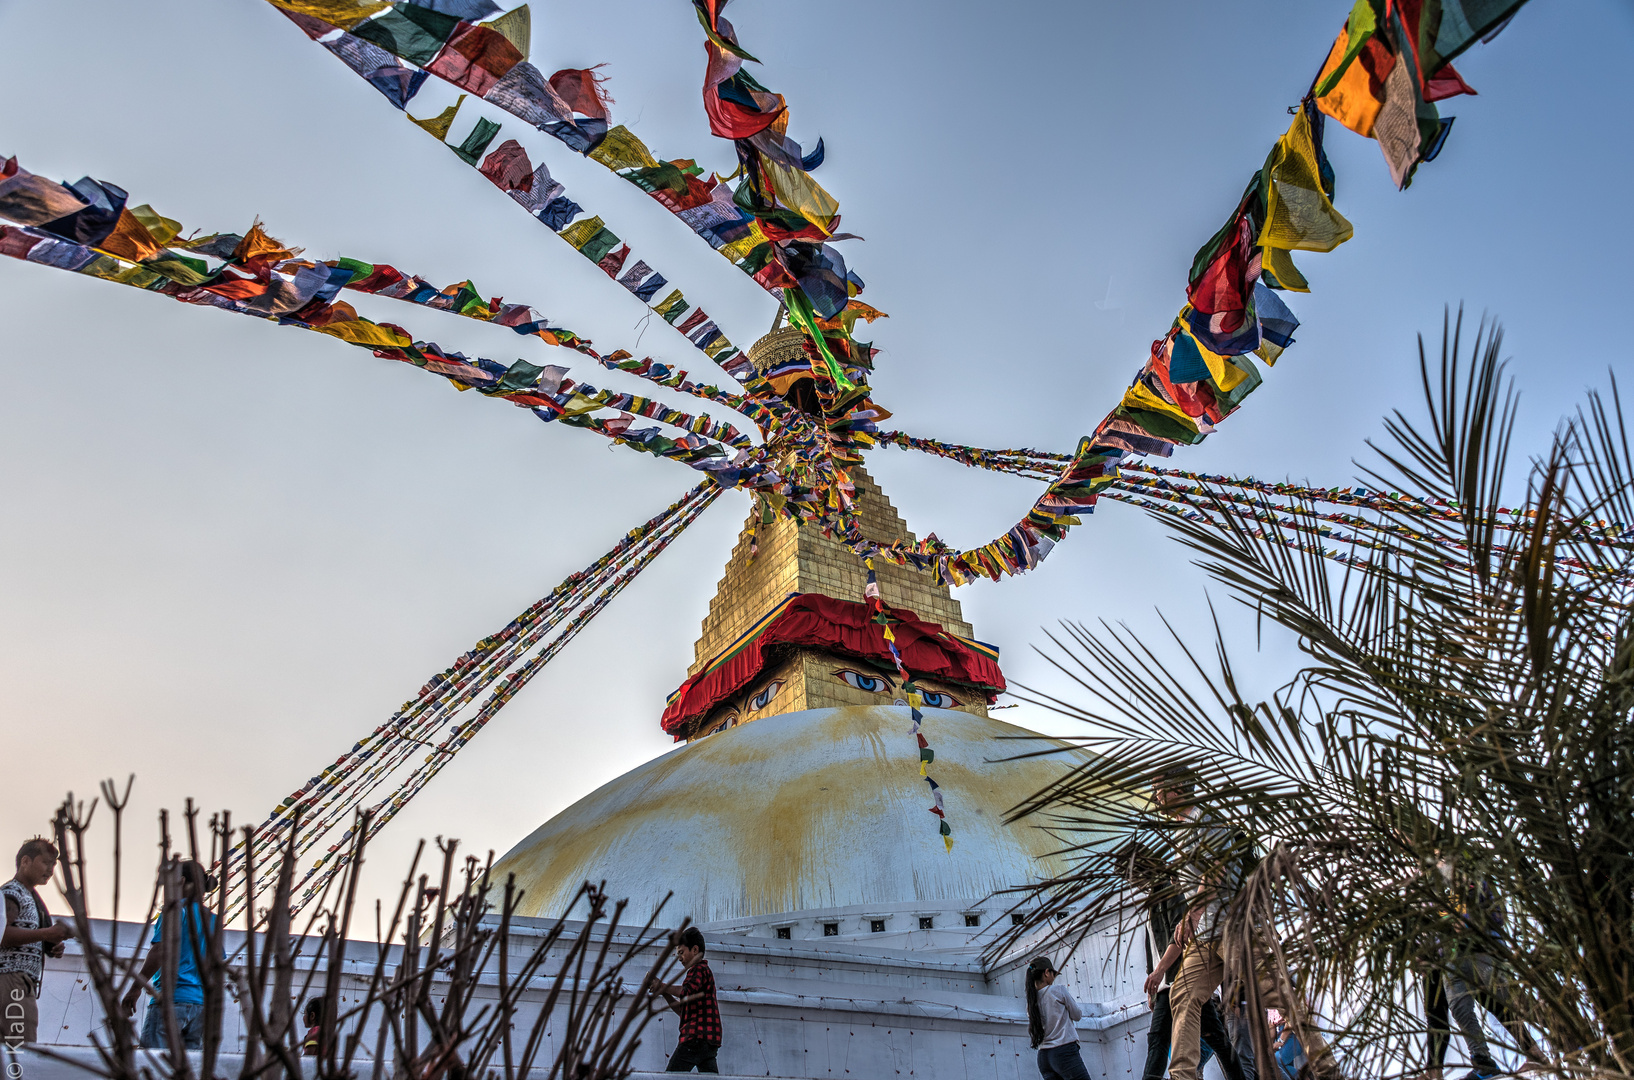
810 811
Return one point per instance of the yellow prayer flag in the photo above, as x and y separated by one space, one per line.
663 306
578 405
622 150
364 332
342 13
1221 369
516 27
1298 214
438 125
1139 397
796 190
163 229
579 233
1281 265
111 269
740 247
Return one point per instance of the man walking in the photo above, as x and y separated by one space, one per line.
700 1034
30 935
1214 872
1472 973
1165 908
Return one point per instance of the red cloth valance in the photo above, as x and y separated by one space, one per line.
815 621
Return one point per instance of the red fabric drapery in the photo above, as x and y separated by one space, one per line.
815 621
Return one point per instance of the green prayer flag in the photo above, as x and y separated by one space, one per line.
412 32
1361 26
800 312
672 307
476 144
599 244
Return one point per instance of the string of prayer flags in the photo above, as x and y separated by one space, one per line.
462 680
881 614
772 226
483 60
509 660
258 276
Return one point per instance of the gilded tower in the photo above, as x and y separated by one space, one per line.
790 559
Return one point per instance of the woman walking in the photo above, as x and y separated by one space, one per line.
1051 1013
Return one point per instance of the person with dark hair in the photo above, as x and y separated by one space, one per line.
29 935
700 1036
1051 1028
1165 907
312 1017
198 926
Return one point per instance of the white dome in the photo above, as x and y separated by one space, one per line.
821 809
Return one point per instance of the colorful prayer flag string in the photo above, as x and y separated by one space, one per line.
499 665
881 614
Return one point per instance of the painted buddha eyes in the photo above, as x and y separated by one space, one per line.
732 718
873 684
764 698
879 684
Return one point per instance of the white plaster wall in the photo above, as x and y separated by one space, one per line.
800 1009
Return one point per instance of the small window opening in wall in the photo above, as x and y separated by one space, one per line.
973 920
1059 915
783 932
927 922
1018 919
876 926
831 929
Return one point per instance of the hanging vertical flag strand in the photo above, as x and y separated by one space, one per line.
916 701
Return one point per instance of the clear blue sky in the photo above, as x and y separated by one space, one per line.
227 548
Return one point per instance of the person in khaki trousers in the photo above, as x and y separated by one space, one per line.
1213 875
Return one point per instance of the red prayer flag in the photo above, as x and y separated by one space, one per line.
1445 83
581 89
475 58
613 261
508 167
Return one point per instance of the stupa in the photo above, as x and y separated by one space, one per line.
794 824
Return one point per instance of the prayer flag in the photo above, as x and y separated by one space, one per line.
508 167
475 58
438 125
1299 212
410 31
516 26
470 151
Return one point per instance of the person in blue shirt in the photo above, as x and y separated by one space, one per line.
197 929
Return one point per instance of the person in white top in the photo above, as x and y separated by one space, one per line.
1051 1013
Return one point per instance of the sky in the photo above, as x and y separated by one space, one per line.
228 549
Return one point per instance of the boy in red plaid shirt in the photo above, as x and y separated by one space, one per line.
694 999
